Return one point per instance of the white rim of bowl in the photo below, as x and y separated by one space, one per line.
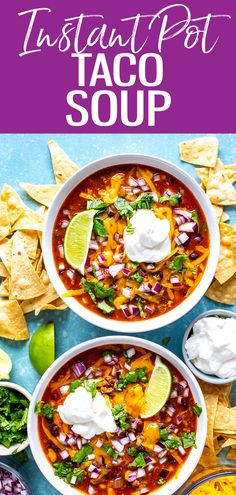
19 446
195 454
158 321
200 374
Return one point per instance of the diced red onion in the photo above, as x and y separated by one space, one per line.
163 460
145 188
99 275
84 441
117 445
133 309
72 441
175 379
79 443
62 438
151 266
118 238
113 371
110 359
179 400
93 245
91 457
149 459
150 468
115 269
126 292
181 450
127 366
132 476
125 310
64 224
179 419
79 368
132 182
130 352
99 444
146 287
124 441
180 220
64 454
91 490
188 227
183 384
141 473
73 479
88 371
148 310
185 213
156 289
61 267
118 257
174 279
158 448
94 475
10 484
173 394
141 182
162 454
95 265
64 389
136 190
61 251
198 239
181 239
186 392
70 274
132 436
126 272
156 177
101 258
170 410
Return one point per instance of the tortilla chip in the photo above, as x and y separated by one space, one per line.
201 151
4 221
211 394
230 171
12 321
229 443
3 271
219 188
24 280
30 241
43 194
218 210
224 393
15 205
226 267
5 253
203 174
224 217
231 455
225 293
63 166
208 458
4 288
29 220
35 304
225 418
57 305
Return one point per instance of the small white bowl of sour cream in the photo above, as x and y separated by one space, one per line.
208 346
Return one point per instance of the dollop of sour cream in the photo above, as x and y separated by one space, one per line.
212 347
146 239
89 416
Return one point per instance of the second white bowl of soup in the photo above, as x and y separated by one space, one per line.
152 243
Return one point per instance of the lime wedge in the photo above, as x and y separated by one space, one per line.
5 365
158 390
78 235
42 347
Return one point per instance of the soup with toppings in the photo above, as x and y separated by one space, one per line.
147 249
99 430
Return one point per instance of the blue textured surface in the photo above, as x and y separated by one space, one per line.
26 158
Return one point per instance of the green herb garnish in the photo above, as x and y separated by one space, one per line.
137 277
105 308
189 440
173 199
139 461
98 290
140 307
144 201
82 454
90 385
120 417
161 481
205 227
124 208
172 443
197 409
132 451
138 375
98 227
130 230
13 417
44 409
66 470
109 450
195 218
97 204
164 433
178 262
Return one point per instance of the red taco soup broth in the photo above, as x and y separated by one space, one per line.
163 292
143 437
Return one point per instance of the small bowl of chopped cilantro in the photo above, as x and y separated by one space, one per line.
14 406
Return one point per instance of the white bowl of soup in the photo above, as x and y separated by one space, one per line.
91 431
153 249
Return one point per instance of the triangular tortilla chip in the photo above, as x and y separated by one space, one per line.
30 241
4 287
230 171
218 210
227 260
12 321
203 174
219 188
201 151
225 217
5 253
63 166
15 205
36 303
225 293
56 305
25 282
29 220
3 271
43 194
4 221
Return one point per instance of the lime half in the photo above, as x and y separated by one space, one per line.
158 390
77 238
5 365
42 347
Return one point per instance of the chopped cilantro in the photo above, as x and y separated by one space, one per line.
75 384
134 264
161 481
137 277
120 417
197 409
98 227
105 308
138 375
164 433
82 454
144 201
97 204
140 307
79 474
173 199
13 417
178 262
132 451
109 450
90 385
172 443
124 208
98 290
66 470
44 409
195 218
139 461
130 230
205 227
189 440
166 340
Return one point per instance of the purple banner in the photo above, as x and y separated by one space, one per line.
88 66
